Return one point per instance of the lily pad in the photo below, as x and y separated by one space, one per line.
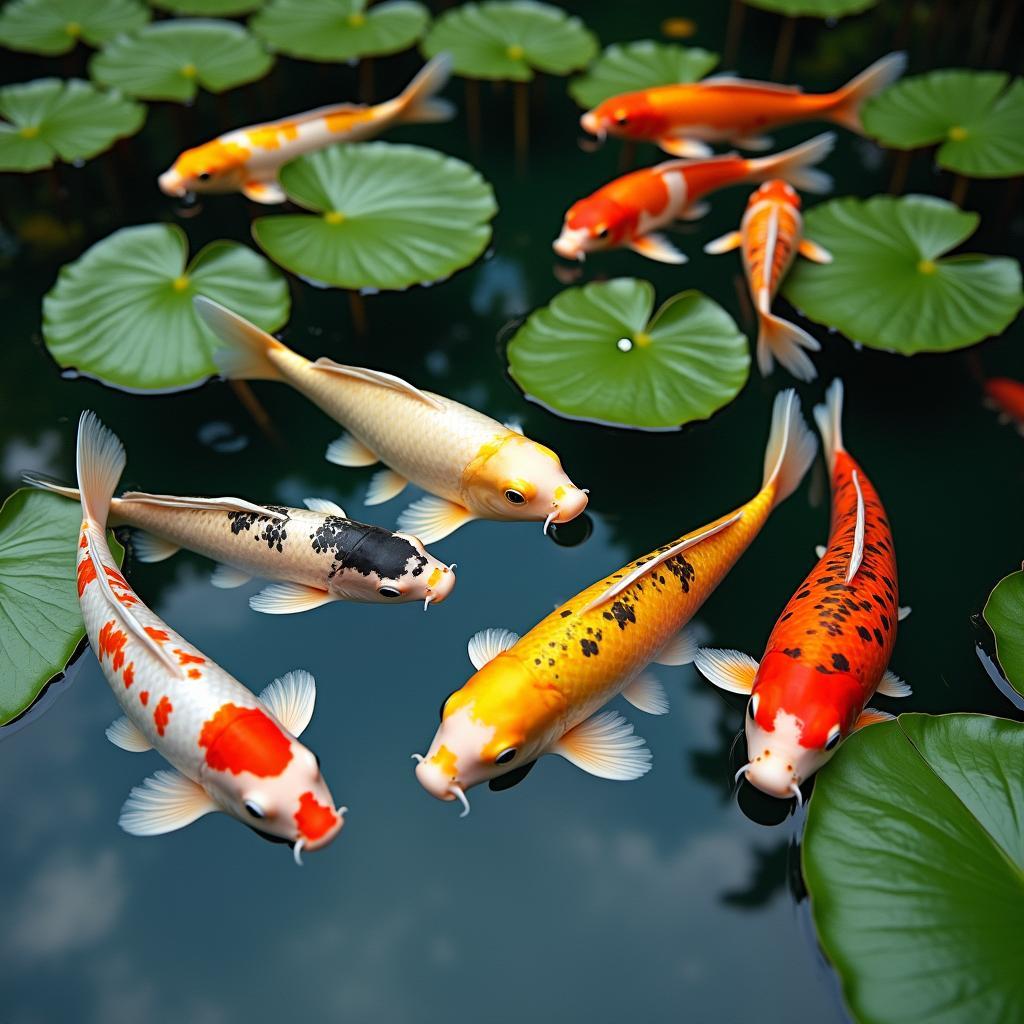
331 30
887 286
41 625
384 216
49 119
123 312
208 8
595 353
976 118
55 26
914 860
813 8
170 59
629 67
510 39
1004 613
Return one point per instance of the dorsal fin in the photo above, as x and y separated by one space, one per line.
857 554
641 570
734 81
313 115
203 504
386 380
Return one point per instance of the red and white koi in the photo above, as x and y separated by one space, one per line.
232 751
1006 397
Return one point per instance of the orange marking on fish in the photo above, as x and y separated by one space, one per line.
446 760
264 137
161 714
211 158
435 576
343 120
184 658
129 674
112 643
194 673
144 697
245 740
314 820
159 635
86 574
84 542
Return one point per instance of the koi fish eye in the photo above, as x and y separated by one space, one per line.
389 592
506 756
203 176
514 497
752 706
254 809
833 738
601 233
621 120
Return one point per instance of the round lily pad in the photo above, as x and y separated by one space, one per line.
629 67
383 216
55 26
49 119
1004 613
914 860
123 312
331 30
208 8
813 8
41 625
978 121
595 353
510 39
169 60
887 286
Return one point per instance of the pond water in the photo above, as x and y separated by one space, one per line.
566 897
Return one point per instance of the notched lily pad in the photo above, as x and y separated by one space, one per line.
595 353
891 287
1004 613
813 8
383 216
629 67
331 30
914 860
511 39
41 625
123 312
975 118
208 8
169 60
50 119
50 27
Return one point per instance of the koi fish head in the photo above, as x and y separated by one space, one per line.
592 224
516 478
213 167
777 191
630 116
393 568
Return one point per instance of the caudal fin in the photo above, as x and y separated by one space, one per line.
870 82
100 461
46 484
791 447
245 346
780 340
419 99
829 418
796 165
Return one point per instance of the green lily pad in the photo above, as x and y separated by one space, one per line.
887 287
208 8
41 625
49 119
813 8
123 312
595 353
629 67
510 39
914 860
1004 612
384 216
55 26
169 60
976 118
332 30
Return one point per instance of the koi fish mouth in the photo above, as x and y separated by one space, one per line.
569 244
590 124
171 184
772 787
567 511
442 588
437 785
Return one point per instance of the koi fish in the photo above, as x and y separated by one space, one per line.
770 236
317 552
543 693
232 751
247 160
829 652
1006 396
682 119
629 210
474 467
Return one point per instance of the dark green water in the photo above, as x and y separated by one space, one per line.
567 897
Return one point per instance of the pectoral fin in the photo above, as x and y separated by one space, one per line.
695 211
726 243
756 143
124 733
291 699
385 485
657 247
903 612
604 745
266 192
347 451
432 518
510 779
892 686
486 645
820 550
227 577
328 508
682 648
687 149
872 716
148 547
166 801
812 251
289 598
728 670
647 694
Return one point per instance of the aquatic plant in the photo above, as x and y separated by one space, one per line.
50 119
50 27
891 287
122 312
208 8
332 30
170 60
597 353
382 216
1004 613
41 625
813 8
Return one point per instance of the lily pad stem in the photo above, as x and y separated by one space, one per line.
254 407
473 113
733 32
521 104
358 310
783 49
900 168
366 80
958 193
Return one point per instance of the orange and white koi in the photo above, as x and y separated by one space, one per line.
770 236
543 693
247 160
1006 397
829 652
474 467
232 751
629 210
682 119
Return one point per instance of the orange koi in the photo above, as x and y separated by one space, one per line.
1006 396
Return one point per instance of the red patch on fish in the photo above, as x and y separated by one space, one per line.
161 713
144 697
112 643
245 740
314 820
194 673
127 597
86 574
159 635
184 658
129 674
84 542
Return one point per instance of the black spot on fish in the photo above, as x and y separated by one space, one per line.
878 637
622 613
803 594
588 647
568 611
791 652
840 663
865 635
365 549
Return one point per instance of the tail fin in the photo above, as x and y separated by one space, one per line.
46 484
829 418
244 355
100 462
796 165
781 340
868 83
419 100
791 447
